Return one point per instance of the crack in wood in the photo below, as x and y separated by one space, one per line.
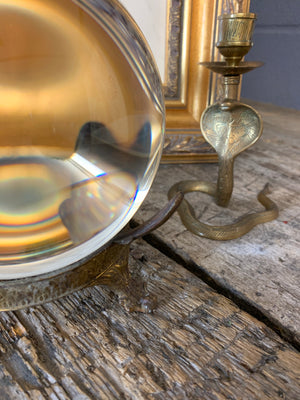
224 288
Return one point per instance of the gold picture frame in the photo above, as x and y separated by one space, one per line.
189 87
190 40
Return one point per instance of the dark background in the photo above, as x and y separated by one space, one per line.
277 43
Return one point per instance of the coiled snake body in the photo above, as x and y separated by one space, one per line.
227 232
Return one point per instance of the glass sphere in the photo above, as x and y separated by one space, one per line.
82 123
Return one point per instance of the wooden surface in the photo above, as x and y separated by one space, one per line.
226 324
197 345
260 270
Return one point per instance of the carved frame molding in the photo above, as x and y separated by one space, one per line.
190 38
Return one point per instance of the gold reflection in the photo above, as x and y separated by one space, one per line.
58 70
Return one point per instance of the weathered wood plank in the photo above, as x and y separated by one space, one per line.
197 345
263 266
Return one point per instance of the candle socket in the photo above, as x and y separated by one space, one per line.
235 34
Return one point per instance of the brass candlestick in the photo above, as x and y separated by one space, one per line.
230 127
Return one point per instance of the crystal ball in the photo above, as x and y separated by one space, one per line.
82 126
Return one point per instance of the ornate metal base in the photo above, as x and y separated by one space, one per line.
111 264
109 267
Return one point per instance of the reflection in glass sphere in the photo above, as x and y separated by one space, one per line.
82 121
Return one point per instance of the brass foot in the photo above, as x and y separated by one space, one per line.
129 286
136 298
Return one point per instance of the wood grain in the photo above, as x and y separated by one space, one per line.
261 268
197 345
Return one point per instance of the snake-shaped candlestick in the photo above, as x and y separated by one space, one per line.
230 127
